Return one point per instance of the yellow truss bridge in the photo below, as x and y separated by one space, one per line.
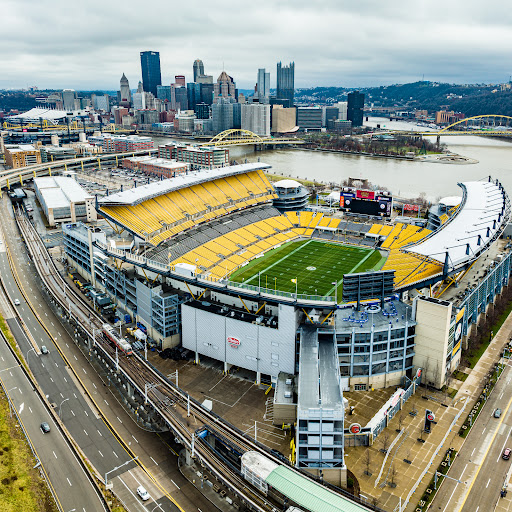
483 130
237 137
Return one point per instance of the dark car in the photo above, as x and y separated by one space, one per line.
497 413
506 453
45 428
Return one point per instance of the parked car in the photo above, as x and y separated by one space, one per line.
497 413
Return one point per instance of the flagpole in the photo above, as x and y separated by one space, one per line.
296 287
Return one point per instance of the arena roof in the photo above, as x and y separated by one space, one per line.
483 212
137 195
287 184
35 114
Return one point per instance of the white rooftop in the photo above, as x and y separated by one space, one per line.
258 464
451 201
137 195
484 210
287 184
35 114
59 192
160 162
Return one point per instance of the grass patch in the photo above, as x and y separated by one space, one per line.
474 355
315 265
21 487
457 374
12 342
306 183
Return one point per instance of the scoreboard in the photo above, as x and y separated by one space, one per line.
366 202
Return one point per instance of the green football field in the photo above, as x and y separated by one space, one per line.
314 265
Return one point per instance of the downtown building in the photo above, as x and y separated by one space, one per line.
151 74
198 157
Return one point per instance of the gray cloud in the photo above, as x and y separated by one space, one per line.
59 44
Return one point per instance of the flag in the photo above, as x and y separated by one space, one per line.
294 280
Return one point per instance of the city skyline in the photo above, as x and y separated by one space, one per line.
332 45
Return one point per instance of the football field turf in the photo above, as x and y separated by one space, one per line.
315 265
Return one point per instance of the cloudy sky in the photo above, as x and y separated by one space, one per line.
88 45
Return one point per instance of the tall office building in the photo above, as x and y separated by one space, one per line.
207 93
263 86
180 98
163 92
151 75
180 80
224 88
125 94
286 82
222 115
255 117
198 69
68 99
355 107
193 95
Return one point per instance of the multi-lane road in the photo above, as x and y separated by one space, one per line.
80 416
479 466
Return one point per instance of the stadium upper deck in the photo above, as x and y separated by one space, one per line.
157 211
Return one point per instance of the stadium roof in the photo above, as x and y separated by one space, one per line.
483 212
35 114
137 195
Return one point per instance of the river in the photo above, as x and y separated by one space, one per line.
402 177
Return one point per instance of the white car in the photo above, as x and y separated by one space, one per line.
144 495
17 302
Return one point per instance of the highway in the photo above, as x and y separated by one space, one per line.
81 418
69 482
479 464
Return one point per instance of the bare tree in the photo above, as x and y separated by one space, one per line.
375 502
401 419
392 473
384 440
367 461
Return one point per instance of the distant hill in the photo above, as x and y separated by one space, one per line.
473 99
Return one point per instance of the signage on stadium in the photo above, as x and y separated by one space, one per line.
355 428
365 194
234 342
411 208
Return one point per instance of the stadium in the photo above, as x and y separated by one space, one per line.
348 299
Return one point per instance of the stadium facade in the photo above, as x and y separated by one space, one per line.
182 240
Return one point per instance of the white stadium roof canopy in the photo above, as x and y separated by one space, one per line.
483 213
35 114
137 195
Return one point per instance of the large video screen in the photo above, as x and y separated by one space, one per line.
366 204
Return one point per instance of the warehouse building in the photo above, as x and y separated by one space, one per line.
63 200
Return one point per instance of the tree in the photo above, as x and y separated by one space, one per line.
384 440
367 461
401 419
392 474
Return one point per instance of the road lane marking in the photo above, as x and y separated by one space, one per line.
51 379
30 409
69 482
54 454
72 412
84 370
61 395
100 453
177 486
119 419
75 357
65 380
94 385
153 460
86 432
105 401
488 482
134 438
115 454
99 433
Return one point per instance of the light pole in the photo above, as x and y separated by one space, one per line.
60 406
28 352
117 467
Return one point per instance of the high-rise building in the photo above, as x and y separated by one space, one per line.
139 100
286 82
256 118
119 113
309 118
125 95
355 107
101 102
68 99
222 115
207 93
203 111
151 75
198 69
163 92
329 113
224 88
193 95
179 97
180 80
342 110
283 119
263 85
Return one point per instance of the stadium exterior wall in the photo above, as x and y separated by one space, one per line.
258 348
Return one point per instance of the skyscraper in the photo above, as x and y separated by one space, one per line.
263 85
198 69
151 75
355 106
124 89
224 88
286 81
68 98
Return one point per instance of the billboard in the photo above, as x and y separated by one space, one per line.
411 208
368 285
366 202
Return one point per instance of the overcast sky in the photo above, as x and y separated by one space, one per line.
88 45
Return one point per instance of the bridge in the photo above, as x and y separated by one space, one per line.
237 137
482 130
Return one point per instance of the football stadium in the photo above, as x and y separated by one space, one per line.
351 300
